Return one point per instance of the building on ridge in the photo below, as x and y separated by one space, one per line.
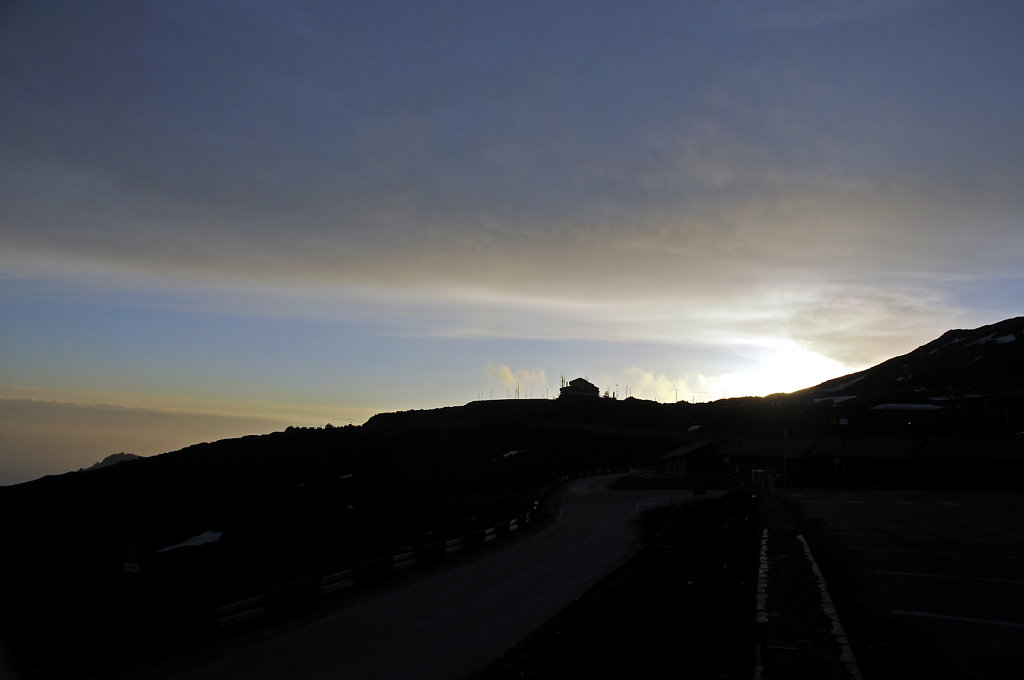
578 388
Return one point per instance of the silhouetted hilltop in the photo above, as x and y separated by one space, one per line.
627 414
965 382
960 363
113 459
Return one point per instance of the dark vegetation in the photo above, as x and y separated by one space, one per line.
293 506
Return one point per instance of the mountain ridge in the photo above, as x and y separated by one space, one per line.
956 364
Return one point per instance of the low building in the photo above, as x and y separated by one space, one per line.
689 458
578 388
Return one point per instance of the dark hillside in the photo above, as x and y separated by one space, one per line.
627 415
285 508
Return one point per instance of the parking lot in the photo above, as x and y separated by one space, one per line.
923 578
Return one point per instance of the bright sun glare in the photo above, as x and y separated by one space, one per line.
785 367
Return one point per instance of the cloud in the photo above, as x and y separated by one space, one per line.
316 158
535 377
769 366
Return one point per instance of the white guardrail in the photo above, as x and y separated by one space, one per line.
241 611
253 607
332 583
256 606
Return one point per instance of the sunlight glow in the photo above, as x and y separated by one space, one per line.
786 366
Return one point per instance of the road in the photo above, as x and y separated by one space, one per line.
448 625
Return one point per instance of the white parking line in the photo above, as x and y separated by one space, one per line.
762 580
945 554
963 619
915 574
926 538
846 653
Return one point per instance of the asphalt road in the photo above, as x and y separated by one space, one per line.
447 625
948 564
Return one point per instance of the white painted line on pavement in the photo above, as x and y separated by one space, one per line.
762 580
762 601
927 538
915 574
962 619
945 554
846 656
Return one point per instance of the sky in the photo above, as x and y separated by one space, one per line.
222 218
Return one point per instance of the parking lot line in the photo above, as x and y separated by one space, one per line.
956 539
934 552
916 574
963 619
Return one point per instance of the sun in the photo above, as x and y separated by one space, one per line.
781 366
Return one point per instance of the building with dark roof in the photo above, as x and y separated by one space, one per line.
578 388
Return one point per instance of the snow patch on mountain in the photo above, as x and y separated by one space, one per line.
201 539
844 385
835 400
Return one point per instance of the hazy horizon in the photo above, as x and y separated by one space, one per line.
218 216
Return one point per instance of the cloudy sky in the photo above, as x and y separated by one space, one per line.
219 218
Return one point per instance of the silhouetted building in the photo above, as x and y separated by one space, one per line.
689 458
578 388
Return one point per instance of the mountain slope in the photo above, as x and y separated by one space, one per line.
960 363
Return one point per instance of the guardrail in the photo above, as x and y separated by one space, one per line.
241 611
286 595
332 583
404 560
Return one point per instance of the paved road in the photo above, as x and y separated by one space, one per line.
450 624
949 565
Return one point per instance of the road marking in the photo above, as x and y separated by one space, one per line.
888 572
963 619
946 554
927 538
762 600
762 580
846 654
